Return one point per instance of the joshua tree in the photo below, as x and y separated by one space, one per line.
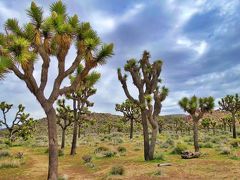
231 103
22 125
81 102
44 38
64 118
196 107
131 112
145 76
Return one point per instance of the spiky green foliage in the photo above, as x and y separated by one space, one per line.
197 105
58 7
105 52
13 26
21 126
59 31
5 63
36 14
230 103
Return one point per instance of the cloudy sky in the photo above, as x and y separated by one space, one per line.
198 41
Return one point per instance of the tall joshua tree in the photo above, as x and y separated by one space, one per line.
21 125
80 101
131 112
45 38
231 103
196 107
145 77
64 118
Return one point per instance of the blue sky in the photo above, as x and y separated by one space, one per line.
198 41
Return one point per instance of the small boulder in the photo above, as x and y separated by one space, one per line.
190 155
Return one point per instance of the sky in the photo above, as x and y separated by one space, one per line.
197 40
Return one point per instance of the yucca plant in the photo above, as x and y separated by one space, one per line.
80 102
146 77
231 103
47 37
196 107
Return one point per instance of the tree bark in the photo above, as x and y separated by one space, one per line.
79 131
75 129
145 135
153 141
131 128
53 144
63 138
234 126
195 135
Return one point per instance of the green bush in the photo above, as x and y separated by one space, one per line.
157 173
121 149
179 148
60 152
90 165
101 149
4 154
208 145
235 143
10 164
109 154
117 170
225 150
168 143
159 157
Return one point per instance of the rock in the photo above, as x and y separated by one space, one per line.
190 155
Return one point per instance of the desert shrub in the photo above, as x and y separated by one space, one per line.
168 143
101 149
60 152
116 134
216 140
157 173
159 157
225 150
235 143
64 177
137 149
208 145
109 154
121 149
87 158
117 170
19 155
117 140
235 157
90 165
4 154
10 164
179 148
206 139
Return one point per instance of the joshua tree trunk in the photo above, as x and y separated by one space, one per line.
234 126
153 140
195 135
53 144
75 129
145 135
131 128
79 131
63 138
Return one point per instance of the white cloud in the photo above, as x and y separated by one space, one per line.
199 47
105 23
